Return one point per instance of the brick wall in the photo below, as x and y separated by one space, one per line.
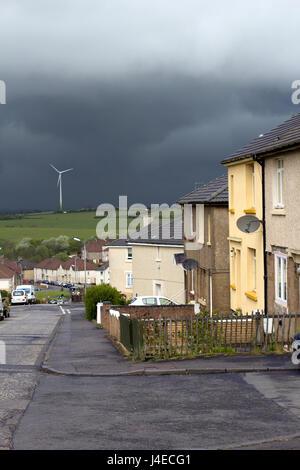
169 311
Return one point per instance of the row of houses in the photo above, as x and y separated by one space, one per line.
239 270
74 271
263 179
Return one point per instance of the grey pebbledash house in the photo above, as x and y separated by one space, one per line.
209 283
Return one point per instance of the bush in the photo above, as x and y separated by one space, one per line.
5 295
101 293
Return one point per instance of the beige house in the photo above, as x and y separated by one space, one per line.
209 283
146 266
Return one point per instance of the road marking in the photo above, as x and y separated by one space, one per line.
62 310
69 312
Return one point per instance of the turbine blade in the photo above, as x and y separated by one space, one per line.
54 168
70 169
59 179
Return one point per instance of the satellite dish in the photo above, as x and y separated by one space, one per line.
248 223
190 264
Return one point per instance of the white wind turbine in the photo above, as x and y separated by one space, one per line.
59 183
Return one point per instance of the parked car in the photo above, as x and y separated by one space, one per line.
2 315
30 292
152 300
296 350
19 297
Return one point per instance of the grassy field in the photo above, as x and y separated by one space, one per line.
45 225
51 294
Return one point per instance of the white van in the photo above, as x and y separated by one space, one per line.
30 292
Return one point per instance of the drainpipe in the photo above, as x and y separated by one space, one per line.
263 221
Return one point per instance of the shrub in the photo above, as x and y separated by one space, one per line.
5 295
101 293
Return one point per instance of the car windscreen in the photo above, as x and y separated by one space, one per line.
17 293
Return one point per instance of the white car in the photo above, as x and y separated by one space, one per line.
30 292
19 297
152 300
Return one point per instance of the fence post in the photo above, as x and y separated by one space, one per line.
99 306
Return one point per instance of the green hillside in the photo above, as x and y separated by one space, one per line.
45 225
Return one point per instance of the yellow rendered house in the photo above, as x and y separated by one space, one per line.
246 250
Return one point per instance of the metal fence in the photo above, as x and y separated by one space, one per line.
196 335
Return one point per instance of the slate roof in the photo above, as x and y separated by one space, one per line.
282 136
11 265
54 264
95 246
6 272
156 233
213 192
27 264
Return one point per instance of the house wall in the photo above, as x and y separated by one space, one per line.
243 295
7 284
213 259
283 227
28 274
153 265
63 275
118 266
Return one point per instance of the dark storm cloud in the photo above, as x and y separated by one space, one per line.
146 113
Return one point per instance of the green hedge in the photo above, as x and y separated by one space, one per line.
101 293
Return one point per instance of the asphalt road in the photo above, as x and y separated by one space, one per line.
212 411
23 336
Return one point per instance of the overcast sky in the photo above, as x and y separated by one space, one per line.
141 97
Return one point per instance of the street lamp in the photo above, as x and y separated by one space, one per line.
84 255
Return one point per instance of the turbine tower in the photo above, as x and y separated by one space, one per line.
59 183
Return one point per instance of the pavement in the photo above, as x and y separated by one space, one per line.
82 349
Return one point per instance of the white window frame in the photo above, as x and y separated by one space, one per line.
282 297
128 275
128 258
279 183
253 185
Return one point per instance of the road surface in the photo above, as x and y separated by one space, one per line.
212 411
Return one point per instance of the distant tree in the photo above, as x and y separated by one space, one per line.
62 256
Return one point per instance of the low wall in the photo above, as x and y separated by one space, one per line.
155 311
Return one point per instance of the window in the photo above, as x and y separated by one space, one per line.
231 205
129 253
281 277
252 270
208 230
149 301
164 301
250 186
253 186
129 279
280 202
